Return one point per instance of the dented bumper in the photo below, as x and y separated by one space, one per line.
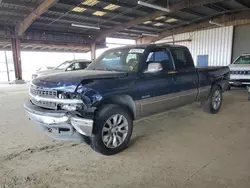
59 124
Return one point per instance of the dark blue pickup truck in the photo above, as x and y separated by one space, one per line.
98 105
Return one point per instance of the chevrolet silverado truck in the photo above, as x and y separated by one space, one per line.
99 104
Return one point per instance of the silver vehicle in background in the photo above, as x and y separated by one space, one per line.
240 71
66 66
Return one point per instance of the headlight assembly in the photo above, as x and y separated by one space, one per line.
71 107
66 95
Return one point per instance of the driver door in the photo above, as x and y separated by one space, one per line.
155 91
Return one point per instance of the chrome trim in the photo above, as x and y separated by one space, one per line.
59 101
44 104
82 125
48 120
43 92
161 103
55 121
240 82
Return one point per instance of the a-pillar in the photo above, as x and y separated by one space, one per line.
15 46
93 51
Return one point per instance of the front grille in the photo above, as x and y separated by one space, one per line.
44 104
43 92
240 72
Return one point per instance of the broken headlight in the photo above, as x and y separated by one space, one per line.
73 106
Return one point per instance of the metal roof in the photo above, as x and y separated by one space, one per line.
54 26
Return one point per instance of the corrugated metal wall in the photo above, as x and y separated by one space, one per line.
216 43
241 41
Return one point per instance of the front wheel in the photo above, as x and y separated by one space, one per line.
114 126
213 103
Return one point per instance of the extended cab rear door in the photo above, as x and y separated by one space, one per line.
185 76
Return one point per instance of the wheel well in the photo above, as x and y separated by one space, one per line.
122 100
219 84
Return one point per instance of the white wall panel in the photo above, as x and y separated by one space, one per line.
216 43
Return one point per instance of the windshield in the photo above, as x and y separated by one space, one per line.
244 59
63 65
124 60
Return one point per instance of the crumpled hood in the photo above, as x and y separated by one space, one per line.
68 81
239 67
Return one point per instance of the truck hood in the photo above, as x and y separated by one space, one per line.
68 81
239 67
41 73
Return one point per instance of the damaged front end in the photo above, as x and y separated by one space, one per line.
63 115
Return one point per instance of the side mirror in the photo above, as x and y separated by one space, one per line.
69 69
154 68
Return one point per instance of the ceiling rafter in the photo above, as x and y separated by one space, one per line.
30 5
222 18
173 8
245 3
42 8
193 12
215 7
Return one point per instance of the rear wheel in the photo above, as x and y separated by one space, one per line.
113 131
213 103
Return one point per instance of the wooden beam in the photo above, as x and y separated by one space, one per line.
228 19
244 3
7 45
42 8
217 8
192 12
173 8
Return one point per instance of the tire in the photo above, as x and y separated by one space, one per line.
110 135
208 105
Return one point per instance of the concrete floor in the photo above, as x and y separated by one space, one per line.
185 147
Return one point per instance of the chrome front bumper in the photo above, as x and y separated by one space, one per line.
58 124
239 83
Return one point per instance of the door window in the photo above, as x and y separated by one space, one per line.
76 66
160 56
83 65
131 57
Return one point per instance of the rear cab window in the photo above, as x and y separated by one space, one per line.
182 58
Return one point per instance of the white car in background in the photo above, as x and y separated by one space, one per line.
240 71
66 66
44 69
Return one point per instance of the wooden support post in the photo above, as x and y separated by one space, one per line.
93 51
15 45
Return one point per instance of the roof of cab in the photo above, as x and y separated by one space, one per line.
147 45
